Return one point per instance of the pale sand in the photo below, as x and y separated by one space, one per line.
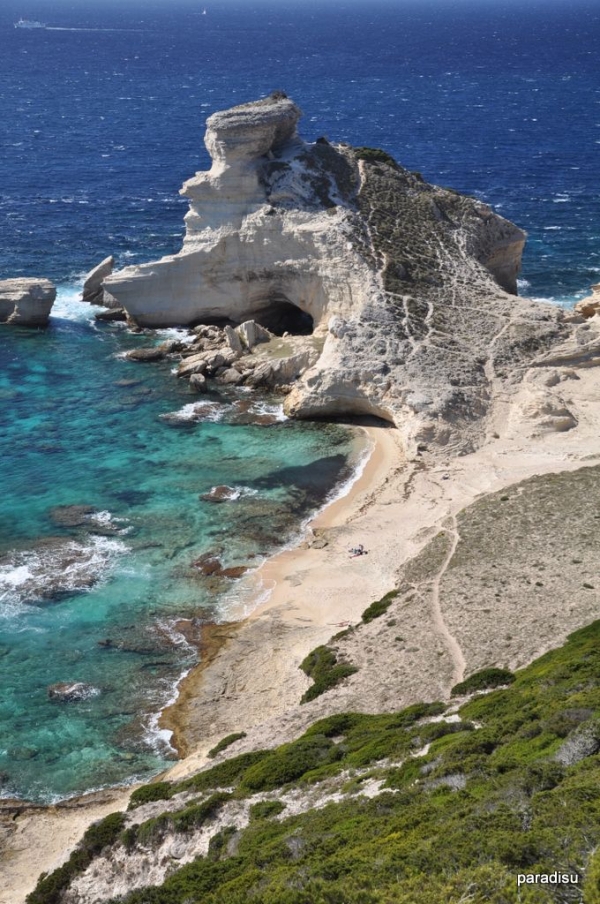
254 683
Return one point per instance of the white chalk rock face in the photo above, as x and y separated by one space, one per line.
93 291
409 287
26 302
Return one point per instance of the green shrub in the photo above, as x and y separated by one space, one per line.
226 742
264 809
224 775
217 846
99 835
322 666
151 832
375 155
379 607
194 815
289 763
483 680
338 724
150 793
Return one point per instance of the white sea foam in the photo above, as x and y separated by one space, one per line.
108 520
68 304
275 410
50 570
181 335
196 411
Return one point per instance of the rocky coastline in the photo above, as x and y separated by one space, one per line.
353 287
391 297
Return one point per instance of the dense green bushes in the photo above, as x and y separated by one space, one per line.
456 822
226 742
290 762
379 607
375 155
323 667
99 835
482 681
149 793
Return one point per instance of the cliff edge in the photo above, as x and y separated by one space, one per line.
409 288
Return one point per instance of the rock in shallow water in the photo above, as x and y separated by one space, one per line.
221 494
155 353
72 692
55 567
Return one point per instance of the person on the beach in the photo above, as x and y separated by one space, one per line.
357 551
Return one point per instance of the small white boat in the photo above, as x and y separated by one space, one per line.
29 23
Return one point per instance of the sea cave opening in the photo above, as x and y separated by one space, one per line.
281 316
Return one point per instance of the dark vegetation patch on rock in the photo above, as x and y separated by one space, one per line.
483 680
323 667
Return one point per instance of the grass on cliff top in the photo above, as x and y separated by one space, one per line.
514 787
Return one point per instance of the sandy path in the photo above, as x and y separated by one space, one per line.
456 654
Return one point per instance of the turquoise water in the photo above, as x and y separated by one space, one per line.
98 130
92 595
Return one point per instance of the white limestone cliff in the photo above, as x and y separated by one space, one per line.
410 288
25 301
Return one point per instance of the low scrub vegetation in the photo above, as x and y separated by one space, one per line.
512 787
226 742
323 667
482 681
375 155
100 835
379 607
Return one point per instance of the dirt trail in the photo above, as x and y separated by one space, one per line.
452 645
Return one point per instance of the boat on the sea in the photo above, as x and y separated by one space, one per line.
29 23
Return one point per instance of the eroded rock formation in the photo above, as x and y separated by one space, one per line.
409 288
26 302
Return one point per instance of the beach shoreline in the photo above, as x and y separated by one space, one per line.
55 829
251 681
378 457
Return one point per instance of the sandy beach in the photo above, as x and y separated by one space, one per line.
394 509
250 680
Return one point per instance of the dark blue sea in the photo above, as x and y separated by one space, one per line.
101 120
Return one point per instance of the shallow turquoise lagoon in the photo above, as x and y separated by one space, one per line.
104 462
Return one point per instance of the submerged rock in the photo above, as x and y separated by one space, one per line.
71 692
156 353
56 567
221 494
210 565
71 515
26 302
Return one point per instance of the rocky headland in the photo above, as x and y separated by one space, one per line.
403 774
406 290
